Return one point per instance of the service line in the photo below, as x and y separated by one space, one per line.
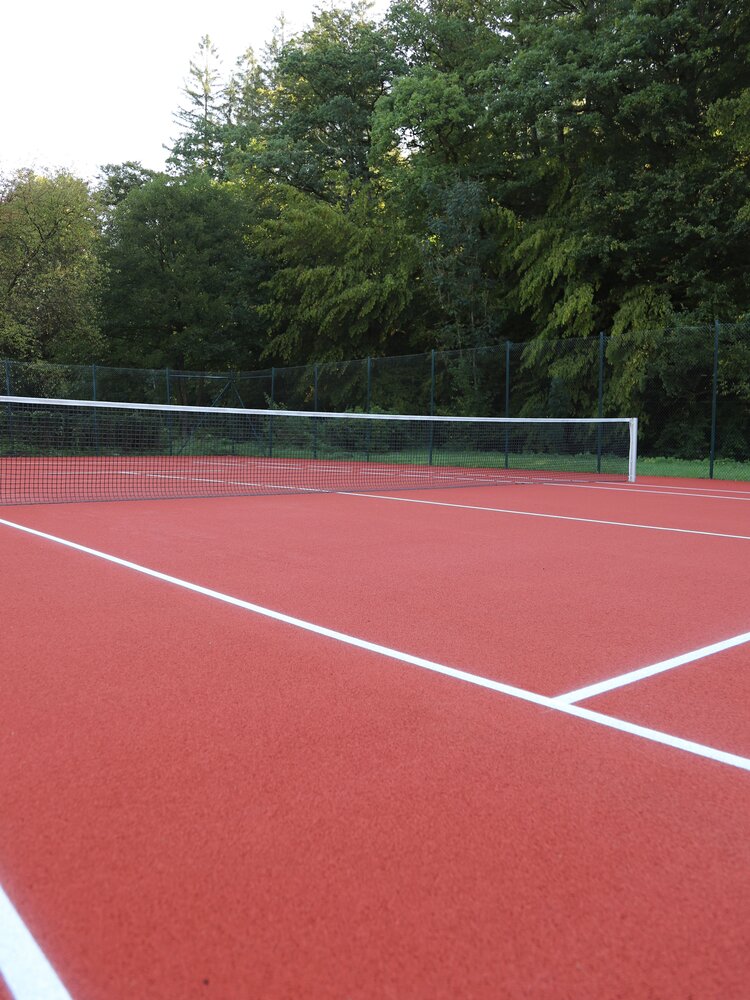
671 491
554 517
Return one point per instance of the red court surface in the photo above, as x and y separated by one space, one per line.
199 800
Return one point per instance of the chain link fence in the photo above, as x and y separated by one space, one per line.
689 387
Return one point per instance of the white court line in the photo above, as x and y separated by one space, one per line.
581 694
23 965
716 488
554 517
610 722
640 489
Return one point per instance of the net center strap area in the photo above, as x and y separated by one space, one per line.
54 451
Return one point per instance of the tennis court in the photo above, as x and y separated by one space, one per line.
375 743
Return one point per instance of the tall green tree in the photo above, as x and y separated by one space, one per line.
326 83
50 276
201 143
180 278
345 282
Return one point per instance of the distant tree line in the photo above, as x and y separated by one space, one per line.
459 173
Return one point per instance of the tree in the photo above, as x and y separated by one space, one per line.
326 84
181 279
200 145
50 275
609 104
344 282
117 180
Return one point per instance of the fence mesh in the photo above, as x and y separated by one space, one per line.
689 387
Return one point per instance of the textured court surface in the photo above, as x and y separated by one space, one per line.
199 800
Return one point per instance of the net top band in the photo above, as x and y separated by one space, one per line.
164 408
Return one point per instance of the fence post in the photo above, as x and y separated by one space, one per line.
714 395
507 397
600 405
270 419
368 404
10 405
169 402
94 419
315 408
432 404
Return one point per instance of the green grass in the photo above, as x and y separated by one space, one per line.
686 468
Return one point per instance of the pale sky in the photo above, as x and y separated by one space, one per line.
85 83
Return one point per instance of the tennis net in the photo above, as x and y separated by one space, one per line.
53 450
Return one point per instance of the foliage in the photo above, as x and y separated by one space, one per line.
49 272
343 281
180 277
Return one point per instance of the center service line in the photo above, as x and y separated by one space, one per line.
609 684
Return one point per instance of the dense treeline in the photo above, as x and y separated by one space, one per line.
462 172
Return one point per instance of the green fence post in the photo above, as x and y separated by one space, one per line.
432 383
315 407
714 399
368 436
169 403
507 399
432 404
93 411
10 406
270 419
600 405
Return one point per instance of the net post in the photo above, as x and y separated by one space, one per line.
633 449
600 404
507 398
714 399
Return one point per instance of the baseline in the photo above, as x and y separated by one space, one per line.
610 722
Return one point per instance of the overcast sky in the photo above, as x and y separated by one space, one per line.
85 83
